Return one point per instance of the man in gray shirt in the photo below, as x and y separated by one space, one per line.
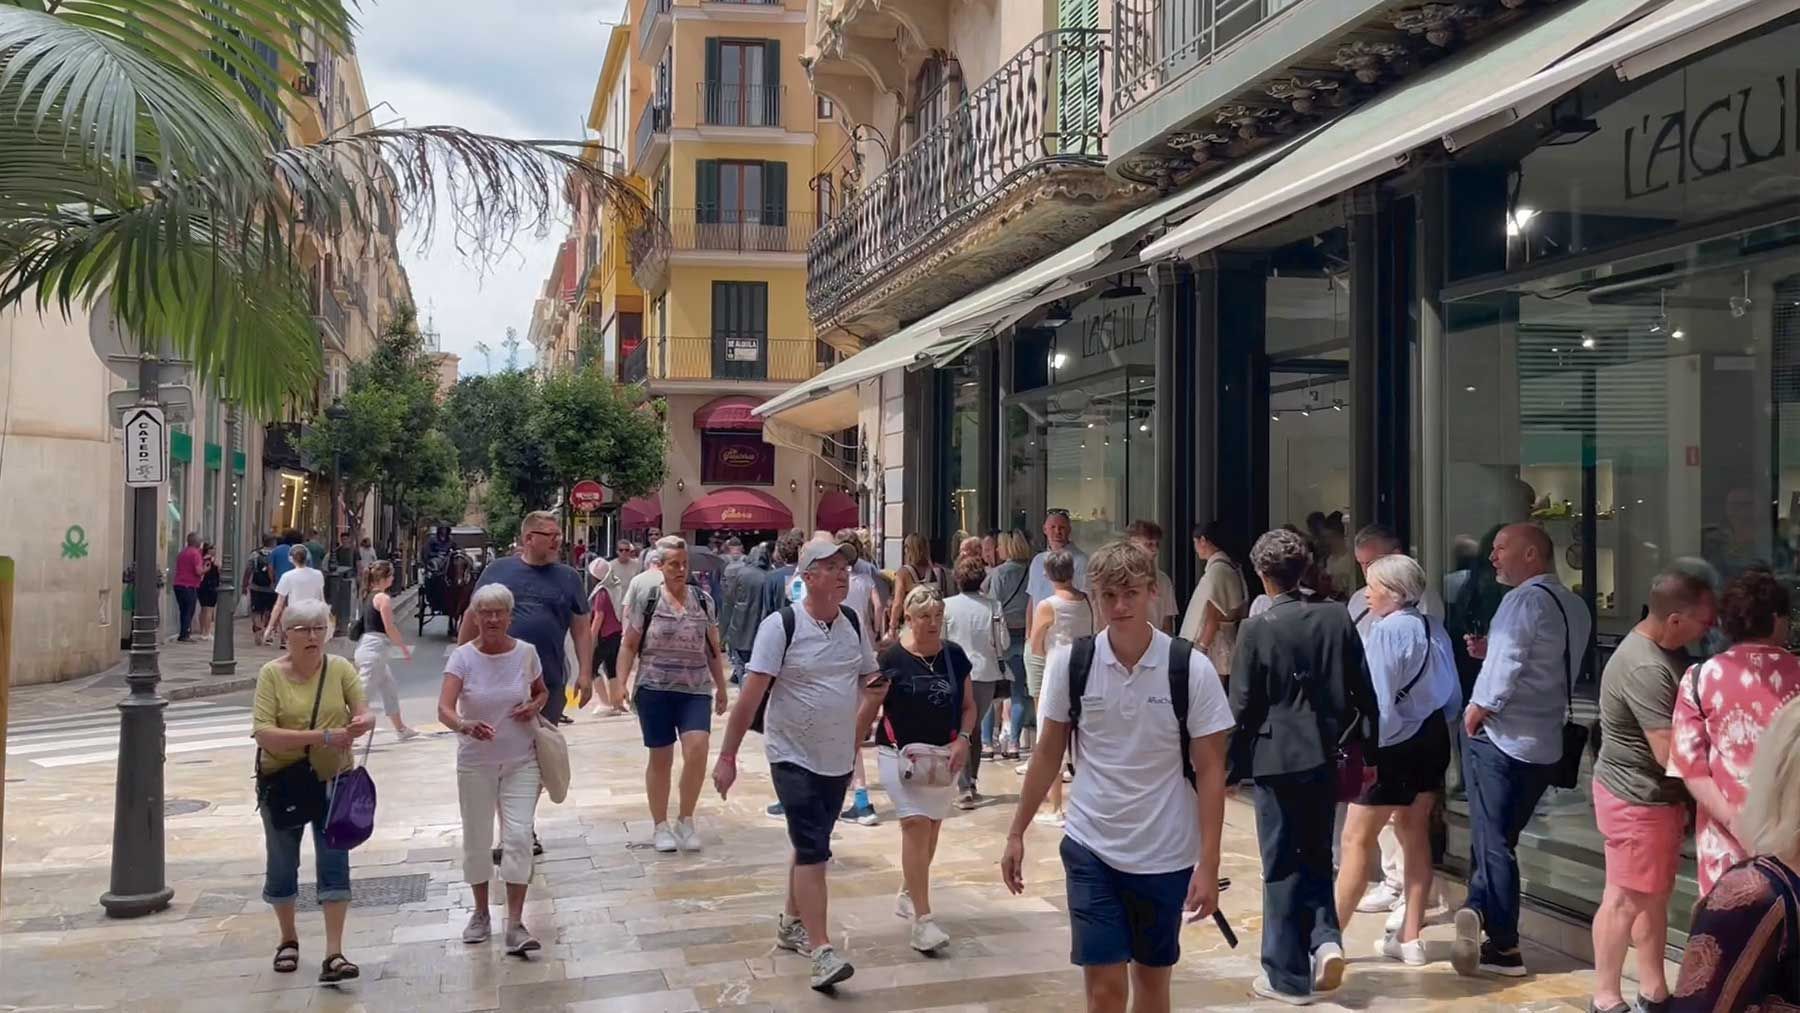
1514 721
1641 812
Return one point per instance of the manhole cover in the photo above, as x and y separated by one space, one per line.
379 891
183 806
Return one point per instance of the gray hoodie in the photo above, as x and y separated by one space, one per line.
746 598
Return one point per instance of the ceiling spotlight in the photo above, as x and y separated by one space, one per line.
1470 388
1305 414
1058 360
1587 341
1274 417
1337 406
1555 350
1519 220
1678 334
1090 425
1740 304
1143 427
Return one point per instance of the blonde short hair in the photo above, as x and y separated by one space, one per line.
540 517
1771 815
1121 564
1400 576
922 596
492 596
1016 547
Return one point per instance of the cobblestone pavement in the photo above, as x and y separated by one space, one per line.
623 927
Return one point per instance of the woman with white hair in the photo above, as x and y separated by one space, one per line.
309 709
493 691
1413 670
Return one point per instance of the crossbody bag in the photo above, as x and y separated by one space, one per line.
921 763
1566 772
294 796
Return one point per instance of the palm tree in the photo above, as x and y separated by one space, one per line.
141 159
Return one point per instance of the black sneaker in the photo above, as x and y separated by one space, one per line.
776 811
564 719
1506 963
1653 1005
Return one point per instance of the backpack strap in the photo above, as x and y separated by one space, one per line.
1424 663
1081 663
1181 655
787 630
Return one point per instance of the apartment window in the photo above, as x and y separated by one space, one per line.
740 329
743 82
827 108
928 97
740 193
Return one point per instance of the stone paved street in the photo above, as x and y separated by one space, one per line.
623 927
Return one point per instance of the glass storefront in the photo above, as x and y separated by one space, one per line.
962 446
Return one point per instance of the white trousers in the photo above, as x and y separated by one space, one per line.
511 790
377 676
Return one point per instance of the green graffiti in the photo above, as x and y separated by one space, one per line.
75 543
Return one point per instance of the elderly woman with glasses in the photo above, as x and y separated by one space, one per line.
309 709
493 690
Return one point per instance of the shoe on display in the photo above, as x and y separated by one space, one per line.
926 936
1379 897
686 837
1411 954
828 968
664 838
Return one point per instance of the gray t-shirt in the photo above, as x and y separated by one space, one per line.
811 719
1637 693
545 600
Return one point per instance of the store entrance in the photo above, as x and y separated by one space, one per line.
1087 447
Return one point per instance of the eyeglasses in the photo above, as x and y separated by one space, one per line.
555 536
311 631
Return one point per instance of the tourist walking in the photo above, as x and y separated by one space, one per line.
1299 688
1218 603
380 638
208 596
1145 720
607 630
813 664
1058 620
1003 725
309 710
1639 809
259 577
549 604
188 564
916 568
674 670
923 712
973 623
1412 669
1723 706
303 582
493 694
749 606
1514 725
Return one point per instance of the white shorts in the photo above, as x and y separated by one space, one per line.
911 799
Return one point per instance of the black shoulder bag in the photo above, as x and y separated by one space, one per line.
1567 770
294 796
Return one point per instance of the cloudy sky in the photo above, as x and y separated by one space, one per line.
519 70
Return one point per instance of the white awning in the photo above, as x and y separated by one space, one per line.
1542 62
987 311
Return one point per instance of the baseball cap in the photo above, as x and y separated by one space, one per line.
816 550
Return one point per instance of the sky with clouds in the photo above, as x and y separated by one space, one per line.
518 70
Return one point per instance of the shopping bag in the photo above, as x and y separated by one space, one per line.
552 760
350 818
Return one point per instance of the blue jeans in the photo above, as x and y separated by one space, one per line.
187 599
1293 825
281 871
1503 793
1023 714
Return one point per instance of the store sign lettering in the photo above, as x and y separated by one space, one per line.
1673 150
735 515
1118 328
739 457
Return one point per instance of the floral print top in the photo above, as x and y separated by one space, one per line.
1742 950
1721 709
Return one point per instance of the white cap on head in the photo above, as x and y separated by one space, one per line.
816 550
598 568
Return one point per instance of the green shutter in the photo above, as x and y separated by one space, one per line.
181 446
706 191
774 193
772 83
713 85
1078 79
215 457
237 462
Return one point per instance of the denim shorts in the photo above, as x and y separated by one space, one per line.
1115 917
281 870
665 715
810 803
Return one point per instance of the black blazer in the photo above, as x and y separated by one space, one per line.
1298 681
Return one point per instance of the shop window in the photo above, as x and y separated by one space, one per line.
736 459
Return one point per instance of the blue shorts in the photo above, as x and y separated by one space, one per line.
1115 917
665 715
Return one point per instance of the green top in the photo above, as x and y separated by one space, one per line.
284 703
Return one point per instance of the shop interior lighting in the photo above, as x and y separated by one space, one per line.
1519 220
1587 341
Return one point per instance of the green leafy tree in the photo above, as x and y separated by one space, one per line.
591 427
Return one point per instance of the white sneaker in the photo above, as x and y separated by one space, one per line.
1411 954
1379 897
927 937
1049 819
686 837
828 968
664 838
1436 914
903 905
1328 967
790 934
1022 768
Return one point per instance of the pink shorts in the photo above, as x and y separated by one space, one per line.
1643 842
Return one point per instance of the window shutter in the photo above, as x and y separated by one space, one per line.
772 83
706 190
1078 79
713 85
774 193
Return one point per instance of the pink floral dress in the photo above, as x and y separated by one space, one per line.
1721 709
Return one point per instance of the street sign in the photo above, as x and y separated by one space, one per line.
146 447
587 496
177 402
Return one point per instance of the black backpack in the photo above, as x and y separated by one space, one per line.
788 621
1081 662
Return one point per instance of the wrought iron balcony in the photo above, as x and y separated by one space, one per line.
740 231
1157 41
1040 111
726 104
749 357
331 316
652 129
633 369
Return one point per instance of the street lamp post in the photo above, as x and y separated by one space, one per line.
340 588
224 659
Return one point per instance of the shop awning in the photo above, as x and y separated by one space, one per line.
736 508
643 512
731 413
837 510
1521 72
998 306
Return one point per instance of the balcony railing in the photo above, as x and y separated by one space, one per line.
652 20
733 357
654 121
740 231
633 370
328 310
1157 41
1039 111
724 104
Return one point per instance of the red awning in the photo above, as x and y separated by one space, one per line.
736 508
643 512
730 413
838 510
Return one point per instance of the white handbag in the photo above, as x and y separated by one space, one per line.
552 760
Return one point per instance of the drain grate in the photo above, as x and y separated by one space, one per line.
183 806
380 891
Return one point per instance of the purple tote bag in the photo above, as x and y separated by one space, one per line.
350 818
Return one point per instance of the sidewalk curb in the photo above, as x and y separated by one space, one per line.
217 687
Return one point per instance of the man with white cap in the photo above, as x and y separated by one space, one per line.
814 661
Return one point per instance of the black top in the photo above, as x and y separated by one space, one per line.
924 698
209 580
1298 681
372 621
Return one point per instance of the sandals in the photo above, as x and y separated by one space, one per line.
287 957
336 968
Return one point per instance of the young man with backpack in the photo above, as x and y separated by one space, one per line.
259 577
1145 720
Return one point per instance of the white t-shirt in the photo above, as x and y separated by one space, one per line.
811 719
493 684
972 622
1129 802
302 583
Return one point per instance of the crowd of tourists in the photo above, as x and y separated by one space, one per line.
1335 702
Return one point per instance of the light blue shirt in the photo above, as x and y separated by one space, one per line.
1038 586
1531 656
1396 648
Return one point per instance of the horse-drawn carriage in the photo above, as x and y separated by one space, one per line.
449 577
